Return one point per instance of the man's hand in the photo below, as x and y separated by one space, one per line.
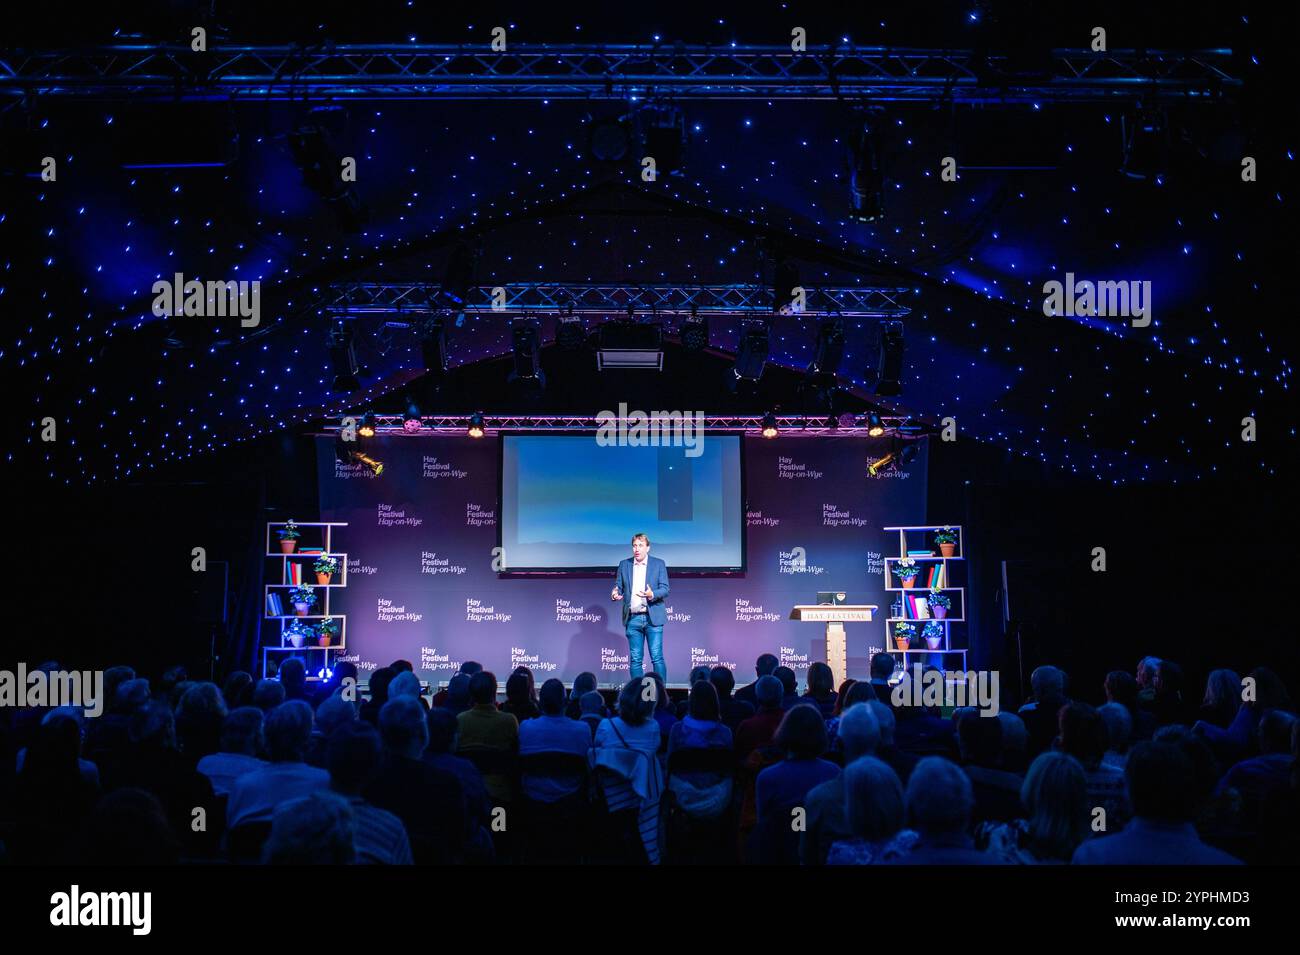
648 594
615 595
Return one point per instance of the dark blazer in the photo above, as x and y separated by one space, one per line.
656 578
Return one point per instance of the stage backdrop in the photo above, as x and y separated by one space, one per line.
421 583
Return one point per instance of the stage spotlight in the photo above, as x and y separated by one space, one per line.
830 348
608 139
866 181
752 352
1146 144
875 425
366 424
570 335
476 425
907 454
411 417
880 464
320 162
663 138
433 348
343 358
785 280
629 344
526 345
848 420
694 334
770 429
889 374
361 458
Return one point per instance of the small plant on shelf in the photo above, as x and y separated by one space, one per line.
327 631
906 570
933 634
904 634
303 599
289 535
325 567
946 538
939 603
298 633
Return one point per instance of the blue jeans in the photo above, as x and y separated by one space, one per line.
639 629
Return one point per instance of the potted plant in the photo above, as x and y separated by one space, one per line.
289 535
906 570
327 630
325 567
298 633
939 603
946 538
904 633
933 633
302 599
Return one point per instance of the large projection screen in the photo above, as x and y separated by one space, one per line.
569 503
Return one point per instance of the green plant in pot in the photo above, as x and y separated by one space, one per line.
933 634
289 535
327 631
325 567
904 634
303 599
940 603
298 633
946 538
906 570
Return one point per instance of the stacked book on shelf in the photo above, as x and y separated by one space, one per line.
274 605
920 553
937 577
915 608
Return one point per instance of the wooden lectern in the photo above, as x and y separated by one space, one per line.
835 616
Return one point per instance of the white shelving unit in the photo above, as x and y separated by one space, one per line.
324 591
921 537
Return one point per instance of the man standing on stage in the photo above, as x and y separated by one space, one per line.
644 581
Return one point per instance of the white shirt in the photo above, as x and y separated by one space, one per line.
638 585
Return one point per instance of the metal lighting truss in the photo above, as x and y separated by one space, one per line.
574 71
788 425
395 298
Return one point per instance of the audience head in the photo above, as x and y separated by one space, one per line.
1270 691
199 716
1169 678
703 703
873 799
723 680
1119 725
859 732
821 681
584 682
403 727
1222 689
131 695
1121 688
401 666
766 664
334 712
1015 739
859 692
293 674
1083 734
841 696
551 697
1055 796
237 689
885 720
406 683
789 682
1161 782
113 678
1275 731
314 830
458 690
528 675
635 705
768 692
268 694
152 726
939 798
378 685
699 673
288 732
470 667
661 698
242 731
979 738
483 688
354 757
882 666
1146 672
802 733
592 703
517 689
1048 683
443 728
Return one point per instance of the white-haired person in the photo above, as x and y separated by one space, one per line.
874 816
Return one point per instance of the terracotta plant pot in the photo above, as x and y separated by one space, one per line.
287 545
947 550
907 581
324 639
902 642
323 579
301 609
934 642
296 640
940 612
